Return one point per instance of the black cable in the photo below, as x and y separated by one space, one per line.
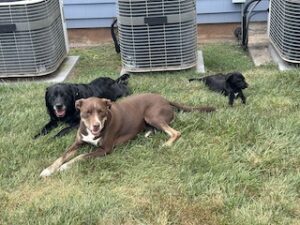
245 23
250 14
241 33
114 37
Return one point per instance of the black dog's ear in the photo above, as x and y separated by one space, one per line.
47 98
229 77
107 102
78 104
46 92
75 93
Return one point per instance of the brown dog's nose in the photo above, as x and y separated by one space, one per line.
96 126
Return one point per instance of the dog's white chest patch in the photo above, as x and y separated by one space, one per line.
90 138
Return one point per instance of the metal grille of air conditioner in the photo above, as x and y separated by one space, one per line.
157 35
32 38
284 29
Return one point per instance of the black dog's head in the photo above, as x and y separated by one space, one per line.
236 81
60 100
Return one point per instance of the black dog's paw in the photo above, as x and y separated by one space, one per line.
42 133
36 136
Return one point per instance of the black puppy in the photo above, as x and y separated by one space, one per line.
231 85
60 100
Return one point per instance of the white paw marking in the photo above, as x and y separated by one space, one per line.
46 173
167 144
148 133
64 167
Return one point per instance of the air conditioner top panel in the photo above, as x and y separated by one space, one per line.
175 1
10 1
19 2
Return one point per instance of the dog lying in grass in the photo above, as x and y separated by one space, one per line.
231 85
60 100
106 124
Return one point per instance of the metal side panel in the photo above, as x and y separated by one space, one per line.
284 29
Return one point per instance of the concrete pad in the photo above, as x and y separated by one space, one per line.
282 65
258 43
63 71
261 50
59 75
123 71
260 55
200 68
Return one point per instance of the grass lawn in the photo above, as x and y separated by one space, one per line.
239 165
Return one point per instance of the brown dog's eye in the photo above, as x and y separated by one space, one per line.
84 115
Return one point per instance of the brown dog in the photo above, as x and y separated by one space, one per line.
106 124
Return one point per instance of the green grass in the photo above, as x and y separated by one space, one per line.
239 165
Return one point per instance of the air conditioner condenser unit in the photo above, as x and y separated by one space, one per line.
157 35
33 37
284 29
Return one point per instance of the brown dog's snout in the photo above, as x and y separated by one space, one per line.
96 126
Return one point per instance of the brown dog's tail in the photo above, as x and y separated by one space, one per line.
185 108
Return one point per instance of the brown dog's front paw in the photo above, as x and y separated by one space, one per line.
46 173
167 144
64 167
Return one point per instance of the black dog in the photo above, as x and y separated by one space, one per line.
60 100
230 85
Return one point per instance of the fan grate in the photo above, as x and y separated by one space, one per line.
284 29
157 35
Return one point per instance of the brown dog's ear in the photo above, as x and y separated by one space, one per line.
107 102
78 104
